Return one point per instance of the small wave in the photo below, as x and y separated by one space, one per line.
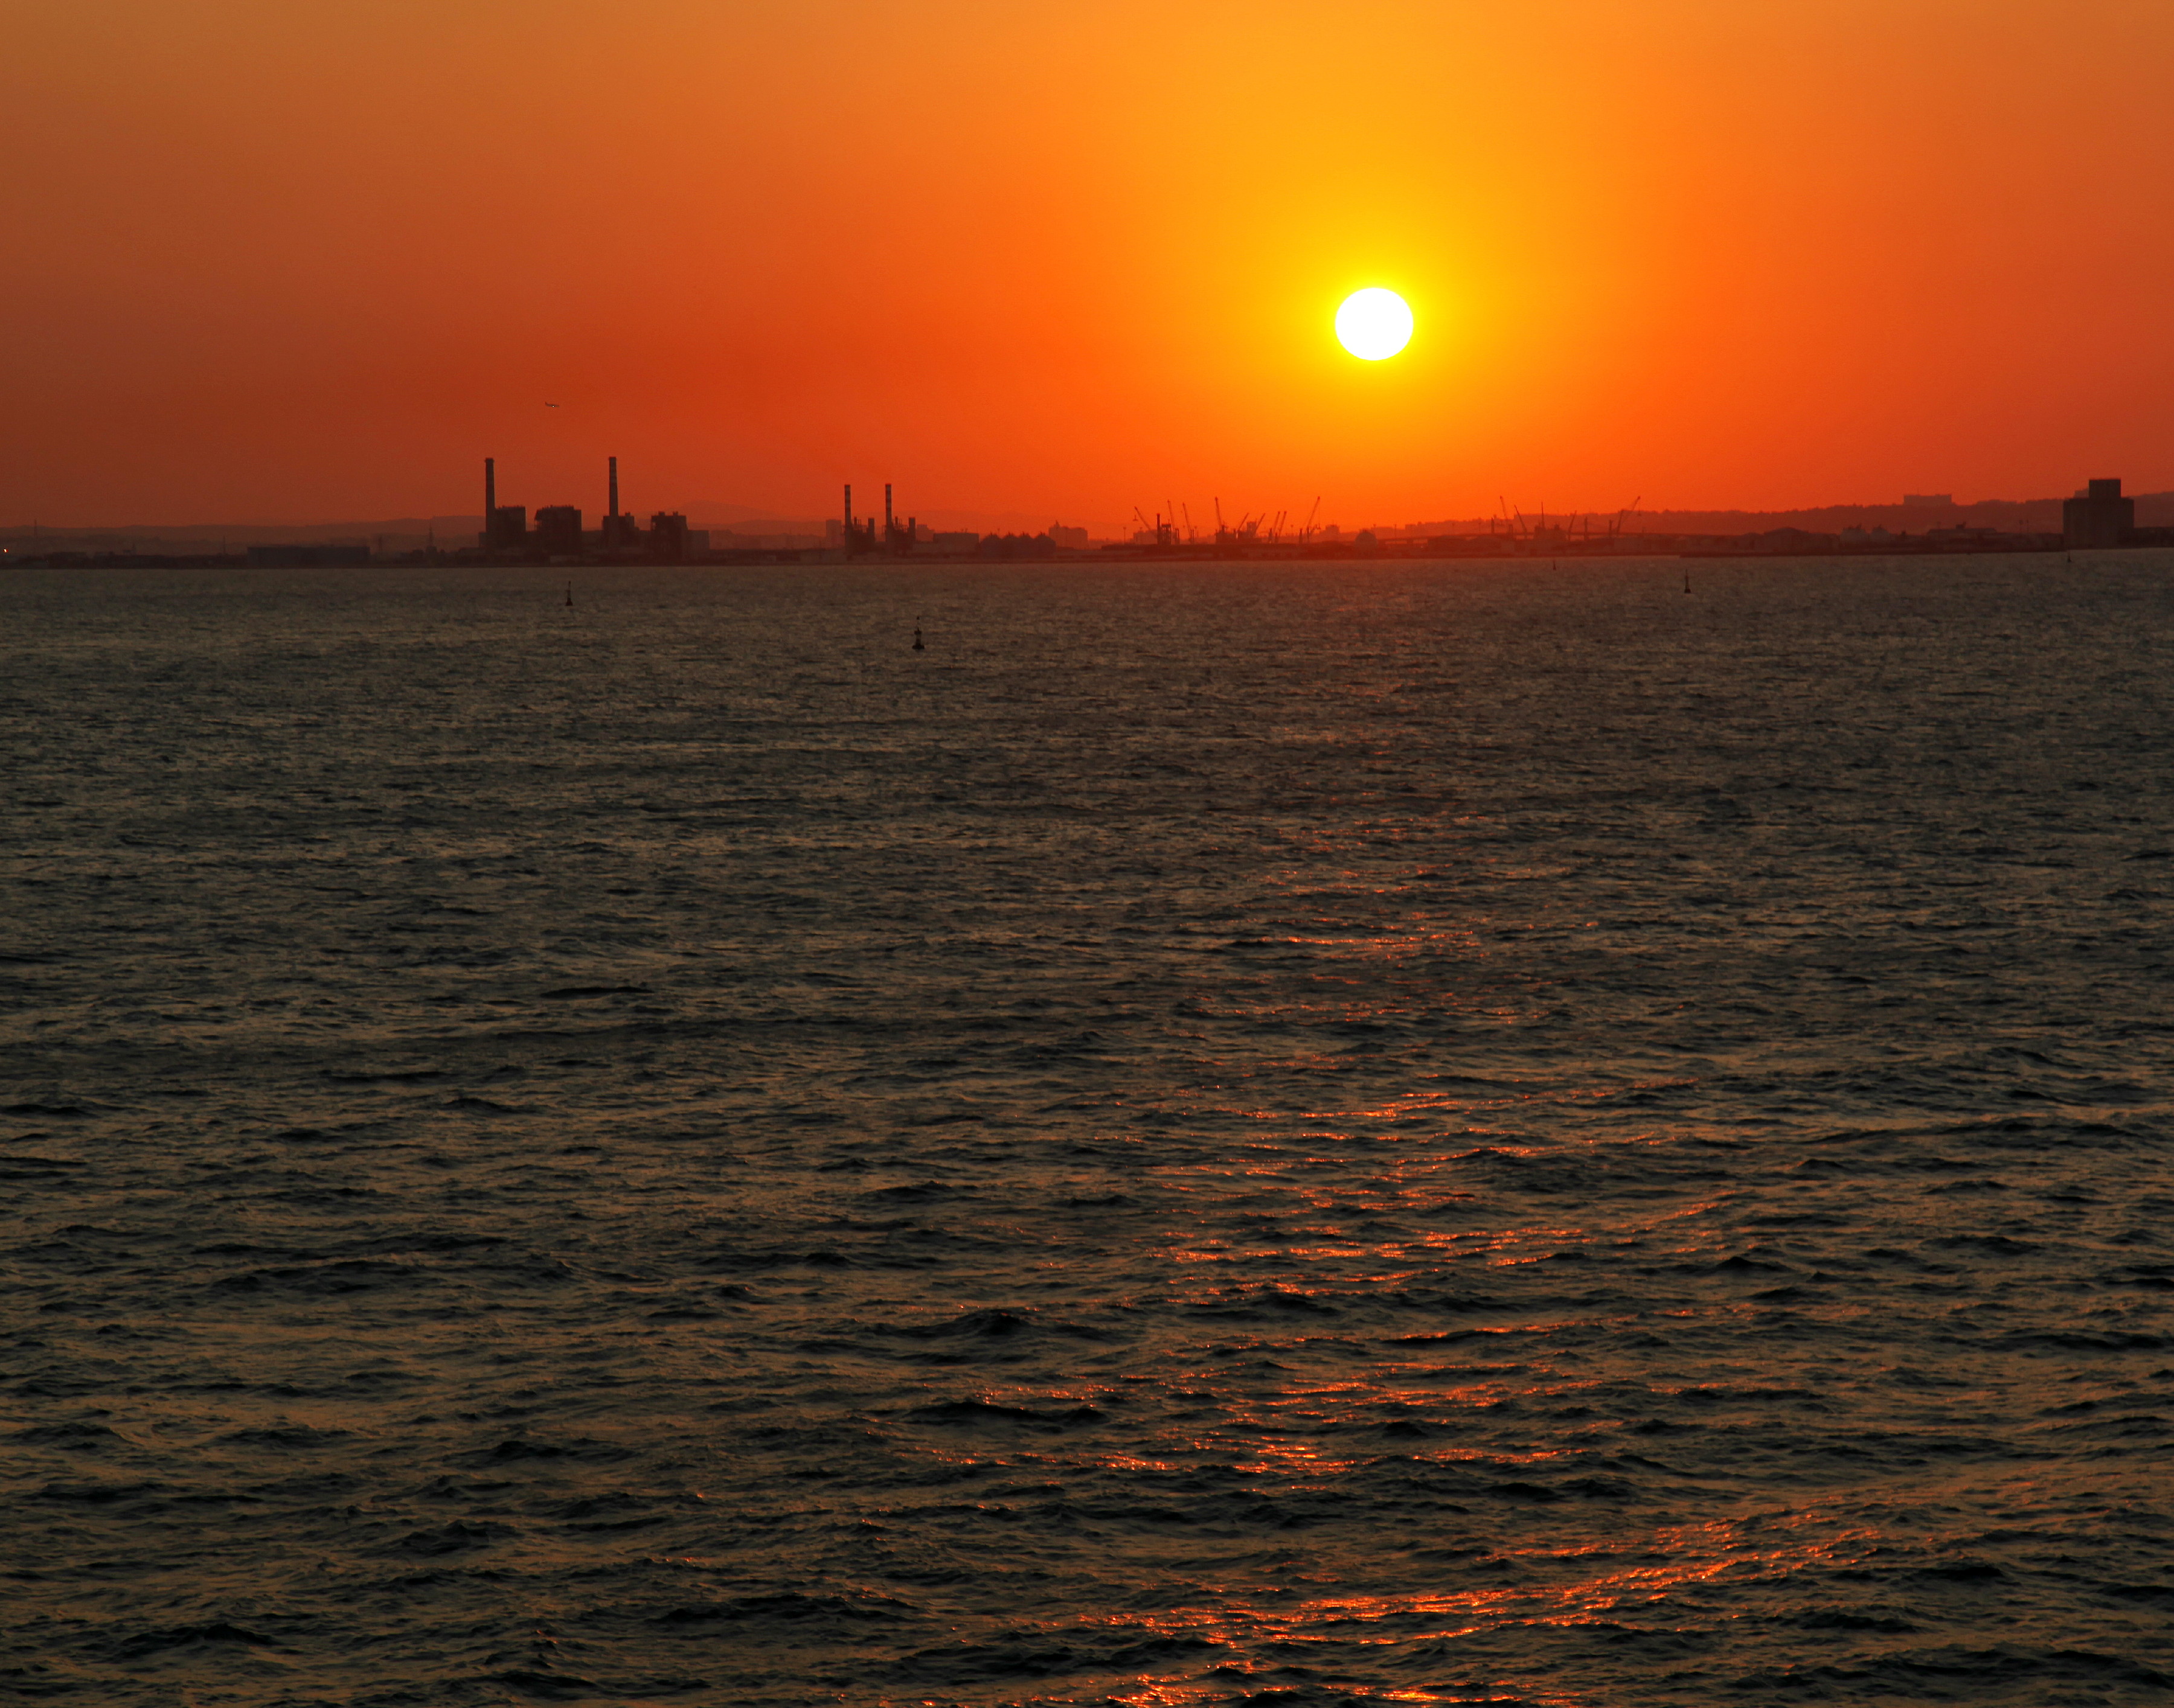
989 1412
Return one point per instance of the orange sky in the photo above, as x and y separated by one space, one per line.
311 259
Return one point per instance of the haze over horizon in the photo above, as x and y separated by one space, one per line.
316 261
2040 513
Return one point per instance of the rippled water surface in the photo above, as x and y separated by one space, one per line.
1272 1134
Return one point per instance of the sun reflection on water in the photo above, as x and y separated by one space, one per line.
1633 1578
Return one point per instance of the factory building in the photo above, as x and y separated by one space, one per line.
620 532
2098 516
559 531
668 536
505 529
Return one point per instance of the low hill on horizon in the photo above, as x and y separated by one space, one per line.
2007 515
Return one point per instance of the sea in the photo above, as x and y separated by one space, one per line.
1285 1134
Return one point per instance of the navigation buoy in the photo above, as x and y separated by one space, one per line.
570 596
1687 580
917 646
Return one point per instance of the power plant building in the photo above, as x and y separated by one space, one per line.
508 530
503 529
668 536
2098 516
619 532
559 530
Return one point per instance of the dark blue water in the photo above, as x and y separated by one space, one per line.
1237 1134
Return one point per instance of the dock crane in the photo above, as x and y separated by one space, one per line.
1164 530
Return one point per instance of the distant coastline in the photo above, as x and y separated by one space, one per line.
1473 548
1914 527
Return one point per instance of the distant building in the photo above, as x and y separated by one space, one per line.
668 536
958 542
559 531
2097 516
1013 546
1072 539
507 529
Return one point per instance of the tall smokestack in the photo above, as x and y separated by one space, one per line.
886 510
489 501
849 510
614 486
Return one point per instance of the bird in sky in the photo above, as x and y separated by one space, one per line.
550 406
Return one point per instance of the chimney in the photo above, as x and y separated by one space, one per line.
886 510
489 501
614 486
849 511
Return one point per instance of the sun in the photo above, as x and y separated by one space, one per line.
1373 324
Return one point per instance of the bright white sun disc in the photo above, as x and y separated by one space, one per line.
1373 324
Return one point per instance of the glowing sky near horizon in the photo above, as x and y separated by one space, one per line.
279 261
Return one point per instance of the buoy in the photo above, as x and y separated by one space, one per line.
570 596
917 646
